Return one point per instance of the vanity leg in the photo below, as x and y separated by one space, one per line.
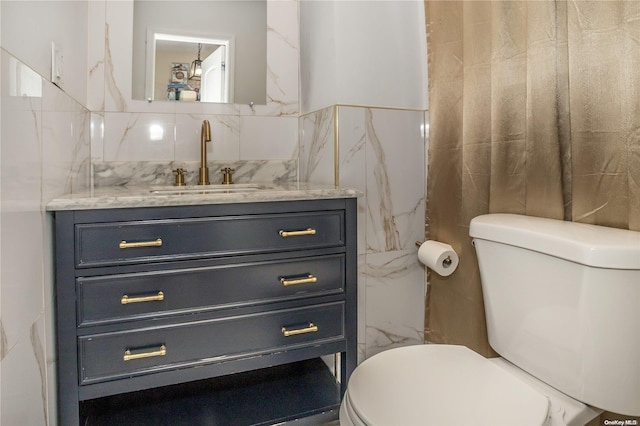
66 345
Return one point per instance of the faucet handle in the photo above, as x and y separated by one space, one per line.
227 178
179 176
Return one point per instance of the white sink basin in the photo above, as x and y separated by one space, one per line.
209 189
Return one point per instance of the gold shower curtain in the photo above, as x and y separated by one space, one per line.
534 109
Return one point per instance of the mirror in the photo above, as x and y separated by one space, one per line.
226 38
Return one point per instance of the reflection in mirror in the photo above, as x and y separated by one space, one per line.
228 37
181 68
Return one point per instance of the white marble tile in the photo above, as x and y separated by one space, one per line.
118 55
353 146
353 162
395 179
20 201
135 105
21 270
56 100
80 159
51 363
37 339
160 173
394 300
225 137
203 108
283 52
57 140
23 381
45 153
381 152
317 147
96 53
97 136
139 137
278 172
65 144
140 173
268 138
21 153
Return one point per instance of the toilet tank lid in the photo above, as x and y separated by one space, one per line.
591 245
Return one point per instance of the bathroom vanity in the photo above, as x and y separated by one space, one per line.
186 308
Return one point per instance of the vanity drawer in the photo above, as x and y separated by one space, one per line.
142 351
116 243
122 297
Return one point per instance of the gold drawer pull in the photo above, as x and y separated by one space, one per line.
155 243
128 356
154 298
308 231
311 329
306 280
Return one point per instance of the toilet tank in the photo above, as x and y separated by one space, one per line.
562 302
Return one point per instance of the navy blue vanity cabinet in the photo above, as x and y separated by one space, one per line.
206 314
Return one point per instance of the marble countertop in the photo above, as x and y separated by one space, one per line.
160 196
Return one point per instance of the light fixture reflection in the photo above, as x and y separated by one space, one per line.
195 71
156 132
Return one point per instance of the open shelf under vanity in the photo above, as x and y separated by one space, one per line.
305 389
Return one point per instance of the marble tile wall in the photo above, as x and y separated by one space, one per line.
382 153
44 153
261 139
161 173
50 143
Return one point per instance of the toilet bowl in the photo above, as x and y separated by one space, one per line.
452 385
549 288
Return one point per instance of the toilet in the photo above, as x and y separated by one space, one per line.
561 301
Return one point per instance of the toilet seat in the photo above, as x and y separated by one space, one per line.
439 385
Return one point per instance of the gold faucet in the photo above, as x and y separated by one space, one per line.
205 136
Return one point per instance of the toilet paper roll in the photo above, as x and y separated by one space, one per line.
438 257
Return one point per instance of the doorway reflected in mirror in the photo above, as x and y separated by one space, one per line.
185 68
237 75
